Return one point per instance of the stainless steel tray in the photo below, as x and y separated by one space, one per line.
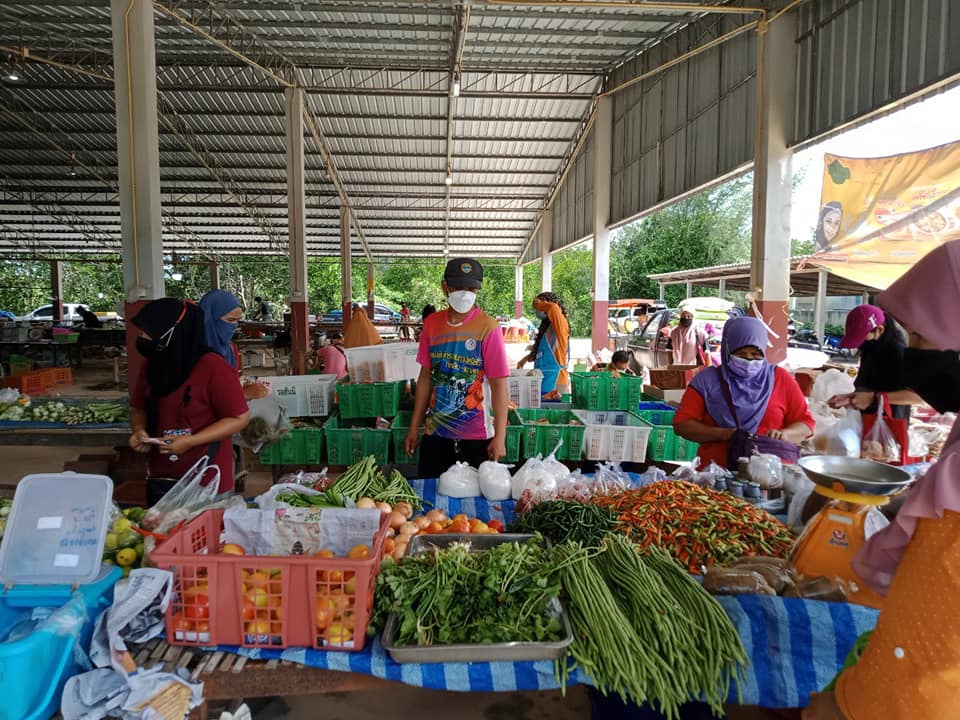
854 475
496 652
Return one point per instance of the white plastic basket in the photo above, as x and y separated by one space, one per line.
615 435
523 388
377 363
303 395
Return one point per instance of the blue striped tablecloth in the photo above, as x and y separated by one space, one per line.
795 646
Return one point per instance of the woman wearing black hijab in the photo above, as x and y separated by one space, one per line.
187 396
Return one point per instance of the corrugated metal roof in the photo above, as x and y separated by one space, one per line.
378 79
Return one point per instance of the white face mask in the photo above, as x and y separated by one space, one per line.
462 300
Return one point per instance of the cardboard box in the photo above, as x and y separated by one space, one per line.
675 377
668 396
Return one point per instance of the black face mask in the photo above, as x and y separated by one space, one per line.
146 347
686 322
935 376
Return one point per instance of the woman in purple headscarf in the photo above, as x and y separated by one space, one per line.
767 399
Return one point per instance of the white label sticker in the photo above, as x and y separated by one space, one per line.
64 560
49 523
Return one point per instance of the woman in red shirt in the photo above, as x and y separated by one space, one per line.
767 399
187 395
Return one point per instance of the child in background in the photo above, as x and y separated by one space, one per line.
619 364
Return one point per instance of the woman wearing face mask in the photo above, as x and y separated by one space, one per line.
881 346
910 667
688 342
461 395
766 399
221 314
551 349
187 396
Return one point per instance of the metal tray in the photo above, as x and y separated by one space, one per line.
854 475
495 652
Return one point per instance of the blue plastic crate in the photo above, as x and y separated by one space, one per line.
34 670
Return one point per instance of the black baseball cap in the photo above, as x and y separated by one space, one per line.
464 272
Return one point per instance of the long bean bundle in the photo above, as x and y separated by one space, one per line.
697 526
645 630
365 479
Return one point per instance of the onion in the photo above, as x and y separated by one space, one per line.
408 528
397 519
436 516
384 507
391 532
366 503
406 508
421 522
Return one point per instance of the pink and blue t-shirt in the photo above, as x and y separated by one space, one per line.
461 358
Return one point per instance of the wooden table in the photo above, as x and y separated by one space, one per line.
227 677
67 437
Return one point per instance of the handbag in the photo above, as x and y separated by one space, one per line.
746 444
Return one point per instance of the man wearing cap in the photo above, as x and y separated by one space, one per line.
881 344
461 394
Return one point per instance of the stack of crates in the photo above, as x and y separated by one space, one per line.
543 430
605 391
664 443
306 398
355 430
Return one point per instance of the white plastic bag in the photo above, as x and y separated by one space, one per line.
530 475
495 481
459 480
832 382
268 423
188 495
766 470
843 438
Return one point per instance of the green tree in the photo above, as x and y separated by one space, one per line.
709 228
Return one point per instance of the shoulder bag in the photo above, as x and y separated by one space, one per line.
746 444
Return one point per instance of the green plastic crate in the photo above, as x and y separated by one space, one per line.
685 450
370 400
399 428
541 438
663 438
603 391
402 424
300 446
347 445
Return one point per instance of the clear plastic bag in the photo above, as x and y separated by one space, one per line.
879 444
495 481
766 470
611 478
188 495
459 480
268 423
831 383
843 437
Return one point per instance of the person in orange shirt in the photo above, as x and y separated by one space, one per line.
910 667
551 349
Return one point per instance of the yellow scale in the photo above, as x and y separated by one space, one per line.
836 533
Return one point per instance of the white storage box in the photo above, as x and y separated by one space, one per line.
303 395
376 363
523 388
615 435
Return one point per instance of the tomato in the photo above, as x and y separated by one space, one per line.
203 627
258 579
324 613
495 525
388 545
324 554
434 528
258 627
478 526
350 586
249 609
181 624
199 607
359 552
259 597
461 516
339 634
459 526
192 590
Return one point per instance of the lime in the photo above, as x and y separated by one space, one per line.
139 548
121 524
107 561
111 541
128 539
126 557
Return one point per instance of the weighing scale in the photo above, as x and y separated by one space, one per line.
835 534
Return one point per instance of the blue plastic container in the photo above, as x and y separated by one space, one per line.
34 670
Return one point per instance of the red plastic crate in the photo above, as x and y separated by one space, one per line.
62 376
265 601
35 382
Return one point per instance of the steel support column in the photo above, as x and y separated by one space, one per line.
689 289
773 178
214 275
518 292
346 266
138 161
546 248
820 309
603 156
296 209
56 289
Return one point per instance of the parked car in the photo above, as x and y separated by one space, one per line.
630 316
382 315
650 347
45 313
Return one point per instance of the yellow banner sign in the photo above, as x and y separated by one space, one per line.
878 216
